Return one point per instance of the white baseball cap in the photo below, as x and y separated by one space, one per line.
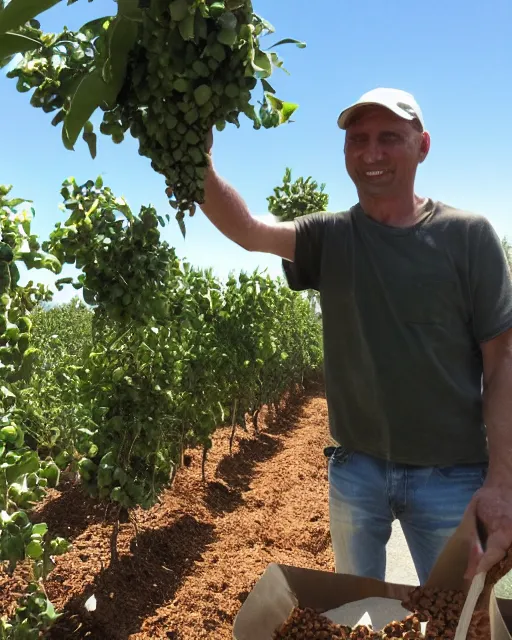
396 100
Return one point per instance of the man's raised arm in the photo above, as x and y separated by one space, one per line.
226 209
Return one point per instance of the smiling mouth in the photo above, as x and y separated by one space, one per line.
374 174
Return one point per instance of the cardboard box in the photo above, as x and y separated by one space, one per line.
282 587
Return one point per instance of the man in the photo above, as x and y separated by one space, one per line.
417 312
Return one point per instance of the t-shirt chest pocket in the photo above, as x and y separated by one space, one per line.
427 301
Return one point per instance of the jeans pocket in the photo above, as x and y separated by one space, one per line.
463 472
341 456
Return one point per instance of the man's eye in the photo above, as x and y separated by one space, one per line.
390 137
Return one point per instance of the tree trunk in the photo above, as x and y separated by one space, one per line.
255 417
203 463
114 556
233 427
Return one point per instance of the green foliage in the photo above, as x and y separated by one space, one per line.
34 615
171 350
20 32
54 71
156 359
167 73
24 476
13 43
52 407
18 12
294 199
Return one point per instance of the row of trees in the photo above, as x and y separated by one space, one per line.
24 474
158 356
163 353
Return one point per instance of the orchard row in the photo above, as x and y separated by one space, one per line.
162 355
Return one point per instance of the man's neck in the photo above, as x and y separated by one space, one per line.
396 212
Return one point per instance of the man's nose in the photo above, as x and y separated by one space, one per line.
372 152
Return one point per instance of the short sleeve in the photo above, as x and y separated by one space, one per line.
305 270
491 284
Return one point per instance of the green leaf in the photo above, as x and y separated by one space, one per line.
89 296
34 549
50 612
227 37
62 281
178 10
16 202
300 45
262 64
40 529
228 20
130 9
31 354
200 27
122 36
285 109
267 86
6 393
123 207
274 102
277 62
96 25
265 24
186 27
51 263
12 43
90 93
59 117
182 227
92 142
288 110
18 12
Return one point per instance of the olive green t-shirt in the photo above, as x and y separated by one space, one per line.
404 311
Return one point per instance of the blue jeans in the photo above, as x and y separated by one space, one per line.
367 494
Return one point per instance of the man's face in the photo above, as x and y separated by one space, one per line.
382 152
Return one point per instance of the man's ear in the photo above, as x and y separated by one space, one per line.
425 145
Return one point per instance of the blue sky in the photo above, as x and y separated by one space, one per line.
455 57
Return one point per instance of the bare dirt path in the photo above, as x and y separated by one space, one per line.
197 554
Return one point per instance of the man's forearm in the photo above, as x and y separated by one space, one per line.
491 505
226 209
497 400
